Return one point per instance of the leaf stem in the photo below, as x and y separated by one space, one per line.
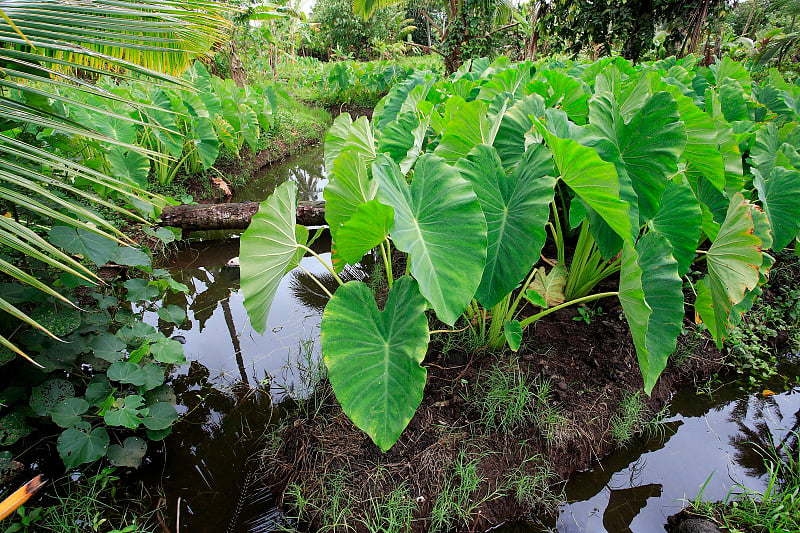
324 263
318 282
387 265
525 323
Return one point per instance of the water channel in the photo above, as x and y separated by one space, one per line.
239 383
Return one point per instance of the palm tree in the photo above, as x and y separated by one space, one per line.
50 51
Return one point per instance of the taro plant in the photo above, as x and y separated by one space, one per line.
471 175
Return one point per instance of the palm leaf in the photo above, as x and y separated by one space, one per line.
52 51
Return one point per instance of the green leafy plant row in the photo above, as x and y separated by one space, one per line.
174 128
651 171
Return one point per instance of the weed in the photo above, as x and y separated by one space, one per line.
329 509
749 350
458 499
775 509
587 314
391 513
635 418
88 504
503 398
531 486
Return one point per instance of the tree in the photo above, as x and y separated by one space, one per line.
51 46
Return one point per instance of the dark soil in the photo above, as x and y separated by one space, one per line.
591 366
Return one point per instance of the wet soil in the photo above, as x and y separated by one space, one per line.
591 367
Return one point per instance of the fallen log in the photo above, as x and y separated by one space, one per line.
203 217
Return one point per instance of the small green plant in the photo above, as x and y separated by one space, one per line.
635 418
391 513
587 314
774 509
503 398
87 504
460 495
329 508
531 484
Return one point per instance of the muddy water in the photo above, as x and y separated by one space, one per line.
232 389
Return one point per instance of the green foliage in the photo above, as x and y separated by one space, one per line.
90 501
635 169
104 384
633 418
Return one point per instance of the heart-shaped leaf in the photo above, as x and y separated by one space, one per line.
108 347
512 330
160 416
172 314
130 454
679 219
68 413
367 228
167 351
734 262
49 394
549 287
267 248
373 357
440 224
779 193
82 444
516 208
81 241
127 412
126 372
593 180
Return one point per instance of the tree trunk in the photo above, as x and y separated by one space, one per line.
205 217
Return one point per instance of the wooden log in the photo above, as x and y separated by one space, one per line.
203 217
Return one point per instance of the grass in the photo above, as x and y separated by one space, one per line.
634 418
331 509
774 509
506 400
458 499
531 484
88 504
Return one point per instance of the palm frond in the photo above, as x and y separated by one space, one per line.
52 52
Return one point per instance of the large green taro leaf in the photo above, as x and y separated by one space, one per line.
516 208
367 228
346 134
205 141
467 128
679 219
374 358
702 153
651 295
764 153
734 260
779 193
348 187
593 180
649 145
513 137
267 248
403 139
439 223
566 93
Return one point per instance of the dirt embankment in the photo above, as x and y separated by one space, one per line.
590 369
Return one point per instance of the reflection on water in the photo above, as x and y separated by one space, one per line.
715 440
307 170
